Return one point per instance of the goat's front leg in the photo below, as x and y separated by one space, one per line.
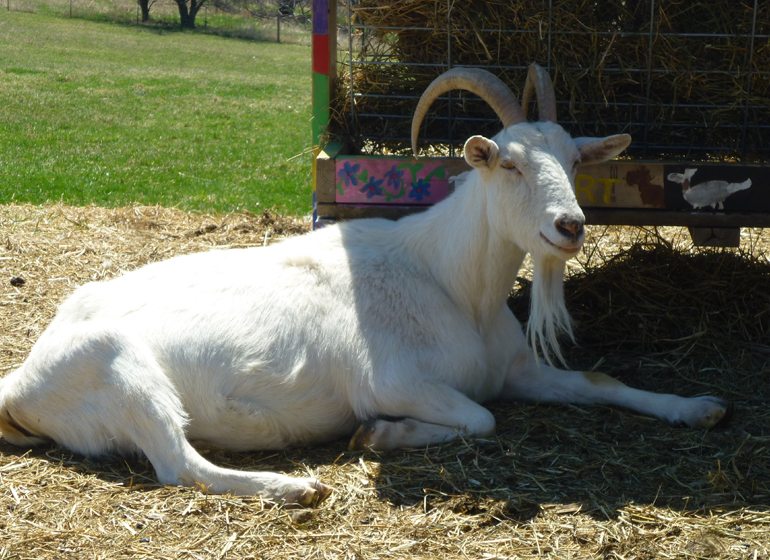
421 414
542 383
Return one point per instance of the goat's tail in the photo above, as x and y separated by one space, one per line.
10 429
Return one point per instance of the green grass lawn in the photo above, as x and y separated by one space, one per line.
108 114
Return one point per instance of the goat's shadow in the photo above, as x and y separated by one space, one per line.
593 460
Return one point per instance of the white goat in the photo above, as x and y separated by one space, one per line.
398 328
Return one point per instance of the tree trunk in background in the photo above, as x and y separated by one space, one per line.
187 12
144 7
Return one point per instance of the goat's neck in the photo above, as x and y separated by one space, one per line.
468 259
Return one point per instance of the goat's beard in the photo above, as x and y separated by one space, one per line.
548 316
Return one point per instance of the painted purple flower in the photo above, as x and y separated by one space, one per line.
394 177
372 188
348 174
420 189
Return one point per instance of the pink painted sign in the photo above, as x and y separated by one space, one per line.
371 180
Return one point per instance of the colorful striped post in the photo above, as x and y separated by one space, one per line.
324 63
324 70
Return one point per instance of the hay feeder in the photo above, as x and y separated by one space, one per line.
688 80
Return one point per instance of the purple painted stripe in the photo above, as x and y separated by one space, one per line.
321 16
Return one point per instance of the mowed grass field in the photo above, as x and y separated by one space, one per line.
115 115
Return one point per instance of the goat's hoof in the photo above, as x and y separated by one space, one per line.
362 439
315 493
707 412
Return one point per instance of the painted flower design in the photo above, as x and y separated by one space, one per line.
394 177
420 189
372 188
348 174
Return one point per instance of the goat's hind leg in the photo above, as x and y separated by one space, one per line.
177 462
101 391
162 439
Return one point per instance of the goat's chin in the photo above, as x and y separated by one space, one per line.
564 250
548 317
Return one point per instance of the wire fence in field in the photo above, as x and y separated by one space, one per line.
278 27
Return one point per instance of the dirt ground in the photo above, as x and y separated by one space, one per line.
555 482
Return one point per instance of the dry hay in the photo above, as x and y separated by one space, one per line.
689 76
556 482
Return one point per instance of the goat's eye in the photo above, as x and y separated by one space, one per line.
509 165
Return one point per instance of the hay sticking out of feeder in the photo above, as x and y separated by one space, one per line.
683 83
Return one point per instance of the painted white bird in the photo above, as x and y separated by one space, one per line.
710 193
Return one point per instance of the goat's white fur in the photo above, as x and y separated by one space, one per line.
401 328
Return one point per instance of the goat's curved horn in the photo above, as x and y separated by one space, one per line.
539 80
476 80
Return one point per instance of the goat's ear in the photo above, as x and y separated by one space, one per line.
481 152
597 150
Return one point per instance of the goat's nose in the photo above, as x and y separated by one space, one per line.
570 227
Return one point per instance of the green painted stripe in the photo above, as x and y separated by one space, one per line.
321 100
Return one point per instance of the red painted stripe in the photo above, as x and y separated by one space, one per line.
321 54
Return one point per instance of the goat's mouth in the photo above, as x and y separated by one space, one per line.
570 249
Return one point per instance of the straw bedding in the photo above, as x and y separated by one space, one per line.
686 79
555 482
